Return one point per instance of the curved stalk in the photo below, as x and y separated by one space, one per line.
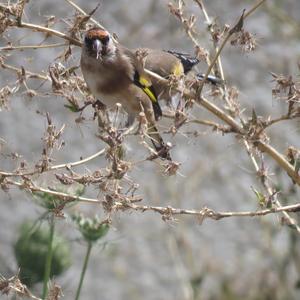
49 258
86 260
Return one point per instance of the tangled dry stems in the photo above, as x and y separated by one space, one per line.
113 181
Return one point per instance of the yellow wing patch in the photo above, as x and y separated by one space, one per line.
144 81
178 69
146 86
150 94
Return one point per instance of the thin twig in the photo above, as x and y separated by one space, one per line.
166 211
204 122
206 212
25 47
262 146
278 159
84 13
27 73
61 195
77 163
56 167
268 188
195 121
234 29
14 285
269 123
254 8
93 20
219 65
50 31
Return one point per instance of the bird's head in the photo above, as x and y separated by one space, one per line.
99 44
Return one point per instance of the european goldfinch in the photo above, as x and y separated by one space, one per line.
114 74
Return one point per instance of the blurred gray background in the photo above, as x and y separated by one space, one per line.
147 258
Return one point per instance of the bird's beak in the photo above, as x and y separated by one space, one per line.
97 48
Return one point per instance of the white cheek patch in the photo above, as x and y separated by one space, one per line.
111 51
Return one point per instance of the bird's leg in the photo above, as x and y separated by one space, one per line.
162 149
100 114
130 120
99 105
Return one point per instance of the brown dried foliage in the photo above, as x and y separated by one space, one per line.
115 188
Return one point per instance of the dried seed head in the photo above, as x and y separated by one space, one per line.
245 40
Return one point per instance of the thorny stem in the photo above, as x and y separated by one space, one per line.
60 195
211 30
255 6
227 119
220 114
268 188
206 212
128 204
279 119
84 13
281 160
214 60
217 58
19 70
64 196
203 102
24 47
86 260
13 284
77 163
50 31
55 167
272 152
205 122
234 29
49 258
196 121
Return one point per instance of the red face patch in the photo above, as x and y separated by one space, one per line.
97 33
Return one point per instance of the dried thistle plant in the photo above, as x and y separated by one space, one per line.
112 188
245 40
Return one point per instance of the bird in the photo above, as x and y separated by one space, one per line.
114 74
169 62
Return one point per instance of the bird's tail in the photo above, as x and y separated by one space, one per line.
210 78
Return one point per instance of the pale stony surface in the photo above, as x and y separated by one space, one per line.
147 258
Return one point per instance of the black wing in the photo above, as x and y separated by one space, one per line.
188 61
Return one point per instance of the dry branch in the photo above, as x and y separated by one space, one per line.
119 168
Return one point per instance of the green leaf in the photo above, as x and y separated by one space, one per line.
260 197
72 108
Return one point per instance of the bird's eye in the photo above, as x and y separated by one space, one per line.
88 41
105 39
